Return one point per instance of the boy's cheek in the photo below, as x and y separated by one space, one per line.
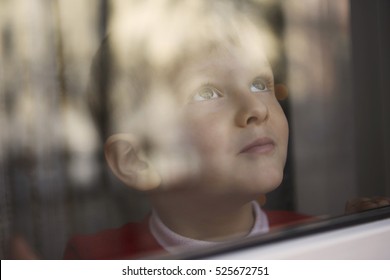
175 161
175 171
280 125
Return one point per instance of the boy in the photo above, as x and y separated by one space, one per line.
195 123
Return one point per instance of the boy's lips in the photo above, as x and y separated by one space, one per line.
259 146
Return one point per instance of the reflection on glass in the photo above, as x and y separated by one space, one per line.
178 136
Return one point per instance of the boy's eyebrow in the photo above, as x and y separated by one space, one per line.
256 70
262 67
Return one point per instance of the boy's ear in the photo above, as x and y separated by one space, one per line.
129 164
281 92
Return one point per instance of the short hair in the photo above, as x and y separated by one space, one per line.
150 40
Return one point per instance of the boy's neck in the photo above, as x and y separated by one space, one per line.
204 219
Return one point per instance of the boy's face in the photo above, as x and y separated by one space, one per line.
232 122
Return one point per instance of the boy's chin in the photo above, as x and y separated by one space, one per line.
234 183
263 183
248 186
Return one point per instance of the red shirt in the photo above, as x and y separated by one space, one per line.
134 240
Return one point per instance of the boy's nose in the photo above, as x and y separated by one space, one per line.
250 110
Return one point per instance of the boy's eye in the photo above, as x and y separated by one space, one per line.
259 85
207 93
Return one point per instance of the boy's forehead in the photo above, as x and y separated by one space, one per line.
224 62
230 58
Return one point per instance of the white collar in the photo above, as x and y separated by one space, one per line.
173 242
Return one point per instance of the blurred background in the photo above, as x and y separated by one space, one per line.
53 178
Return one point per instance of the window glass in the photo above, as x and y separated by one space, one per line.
135 128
